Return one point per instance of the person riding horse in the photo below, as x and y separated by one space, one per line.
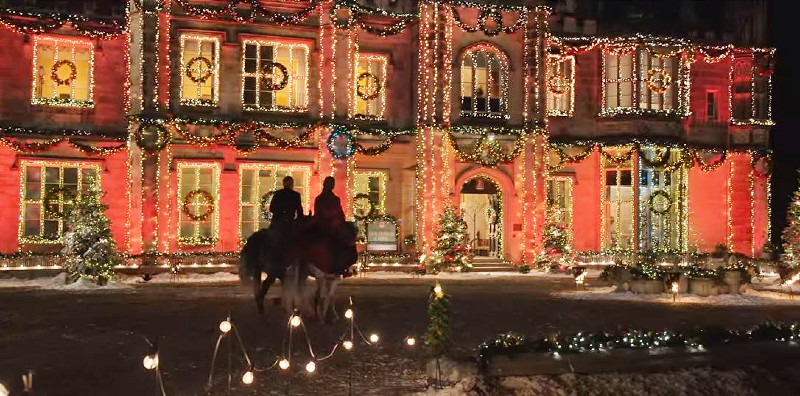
285 207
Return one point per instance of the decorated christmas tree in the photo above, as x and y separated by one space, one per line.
89 249
791 234
557 237
451 251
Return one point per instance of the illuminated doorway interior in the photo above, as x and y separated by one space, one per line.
481 206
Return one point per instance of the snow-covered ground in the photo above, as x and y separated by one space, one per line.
700 381
59 282
465 275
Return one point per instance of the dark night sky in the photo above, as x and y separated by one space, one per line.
785 110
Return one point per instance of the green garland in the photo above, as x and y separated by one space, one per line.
509 344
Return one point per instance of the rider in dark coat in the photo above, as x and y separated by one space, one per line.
285 207
330 222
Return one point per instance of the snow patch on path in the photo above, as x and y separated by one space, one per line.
167 278
465 275
749 297
59 282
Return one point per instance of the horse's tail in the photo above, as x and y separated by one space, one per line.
250 264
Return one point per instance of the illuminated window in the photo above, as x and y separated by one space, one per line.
560 85
199 70
257 183
62 72
618 201
662 209
484 74
618 80
373 185
198 194
658 82
48 192
274 76
370 87
559 195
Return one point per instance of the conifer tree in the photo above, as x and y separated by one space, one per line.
451 251
89 249
791 234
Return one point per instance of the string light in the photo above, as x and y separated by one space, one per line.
191 71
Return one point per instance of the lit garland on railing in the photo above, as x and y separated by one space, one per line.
25 22
358 13
487 150
493 12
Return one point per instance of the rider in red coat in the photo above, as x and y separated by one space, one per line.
328 211
330 223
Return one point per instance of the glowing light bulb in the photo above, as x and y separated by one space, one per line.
150 362
225 326
311 367
295 321
348 345
674 287
411 341
348 314
437 289
248 377
373 338
283 364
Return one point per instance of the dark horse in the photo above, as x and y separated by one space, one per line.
315 251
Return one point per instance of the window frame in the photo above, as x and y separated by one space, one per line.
41 239
568 207
383 181
197 101
712 105
383 59
258 107
39 100
489 52
565 65
195 239
275 167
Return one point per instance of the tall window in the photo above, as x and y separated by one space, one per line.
711 106
658 81
198 203
370 87
741 96
618 199
559 195
560 85
257 183
274 76
62 72
48 194
761 92
618 80
484 75
199 70
370 185
661 208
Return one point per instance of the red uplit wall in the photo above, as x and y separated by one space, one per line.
708 208
586 204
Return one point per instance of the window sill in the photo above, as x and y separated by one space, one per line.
63 103
484 115
369 118
630 112
197 241
259 109
199 103
39 241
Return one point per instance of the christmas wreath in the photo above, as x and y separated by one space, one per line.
162 138
658 80
557 84
51 207
658 160
205 198
268 76
368 86
199 69
660 202
496 17
362 207
73 72
340 131
265 201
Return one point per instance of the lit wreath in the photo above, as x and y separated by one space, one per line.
557 84
661 195
498 21
207 199
195 72
658 80
73 72
351 142
268 72
162 138
265 201
368 86
66 196
362 201
658 160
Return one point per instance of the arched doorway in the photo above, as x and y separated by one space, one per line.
481 203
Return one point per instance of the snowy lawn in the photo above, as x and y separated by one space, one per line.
749 297
50 330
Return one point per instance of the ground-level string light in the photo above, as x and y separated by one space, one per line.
226 328
675 289
150 362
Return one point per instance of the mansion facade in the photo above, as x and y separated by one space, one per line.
191 112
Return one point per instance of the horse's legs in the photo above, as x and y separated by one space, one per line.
331 294
261 290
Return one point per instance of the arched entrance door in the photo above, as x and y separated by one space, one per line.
482 208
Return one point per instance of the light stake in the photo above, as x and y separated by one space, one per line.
311 367
348 345
248 377
373 338
225 326
284 364
295 321
411 341
150 362
674 291
348 314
